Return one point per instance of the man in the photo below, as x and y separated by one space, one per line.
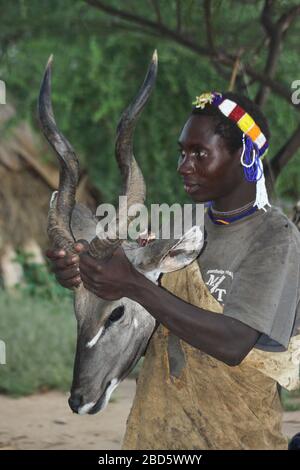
206 380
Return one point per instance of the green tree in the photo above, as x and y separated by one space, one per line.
101 59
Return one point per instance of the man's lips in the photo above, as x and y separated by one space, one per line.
191 187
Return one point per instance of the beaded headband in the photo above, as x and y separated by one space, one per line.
236 114
255 145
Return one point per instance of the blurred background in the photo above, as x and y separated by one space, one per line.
101 53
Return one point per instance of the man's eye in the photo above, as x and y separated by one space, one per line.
199 153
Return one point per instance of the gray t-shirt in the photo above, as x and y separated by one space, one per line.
252 267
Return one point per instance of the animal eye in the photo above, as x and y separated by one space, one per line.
116 314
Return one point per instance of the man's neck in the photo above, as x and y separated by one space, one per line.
236 199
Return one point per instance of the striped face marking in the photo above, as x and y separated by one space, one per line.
94 340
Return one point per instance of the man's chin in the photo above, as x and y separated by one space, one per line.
197 193
198 197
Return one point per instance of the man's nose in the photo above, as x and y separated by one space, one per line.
186 165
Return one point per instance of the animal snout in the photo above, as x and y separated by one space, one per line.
75 402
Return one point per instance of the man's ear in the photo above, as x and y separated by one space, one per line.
183 252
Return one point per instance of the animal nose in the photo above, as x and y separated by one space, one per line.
75 402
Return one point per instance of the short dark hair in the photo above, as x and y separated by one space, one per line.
228 129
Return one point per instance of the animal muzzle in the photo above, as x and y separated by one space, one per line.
75 402
79 406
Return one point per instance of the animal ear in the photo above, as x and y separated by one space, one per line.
183 252
83 223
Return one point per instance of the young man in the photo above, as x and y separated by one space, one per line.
209 379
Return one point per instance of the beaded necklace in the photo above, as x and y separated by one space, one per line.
226 218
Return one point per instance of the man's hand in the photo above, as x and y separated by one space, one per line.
109 279
66 267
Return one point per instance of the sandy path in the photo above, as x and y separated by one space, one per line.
45 422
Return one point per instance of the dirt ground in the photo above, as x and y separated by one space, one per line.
45 421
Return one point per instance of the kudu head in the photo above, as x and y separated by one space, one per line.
111 335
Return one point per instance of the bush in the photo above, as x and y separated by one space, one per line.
40 342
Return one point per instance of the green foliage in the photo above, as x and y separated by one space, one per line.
40 342
100 62
288 184
290 400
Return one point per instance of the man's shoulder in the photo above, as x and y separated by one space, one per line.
278 228
279 221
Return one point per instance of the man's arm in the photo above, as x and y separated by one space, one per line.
220 336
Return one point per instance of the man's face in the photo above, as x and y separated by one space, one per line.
208 169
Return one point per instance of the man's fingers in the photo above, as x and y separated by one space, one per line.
66 262
64 274
66 267
89 262
81 246
70 283
54 254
